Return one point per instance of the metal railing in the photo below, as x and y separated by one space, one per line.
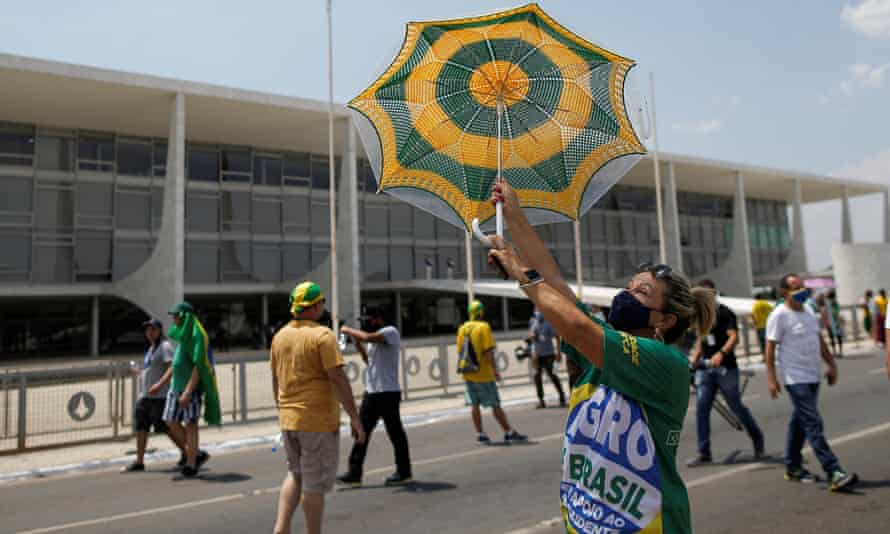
50 408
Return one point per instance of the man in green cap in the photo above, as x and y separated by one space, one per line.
192 384
475 347
307 382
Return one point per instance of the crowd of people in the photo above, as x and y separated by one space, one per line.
628 376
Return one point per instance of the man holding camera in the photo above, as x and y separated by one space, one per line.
544 355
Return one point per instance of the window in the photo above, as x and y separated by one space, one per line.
55 209
296 260
401 263
235 261
596 226
297 170
17 193
446 231
202 212
366 180
320 252
92 255
159 159
16 145
201 262
321 218
55 153
53 263
447 259
424 225
129 255
267 262
266 215
134 157
321 172
236 165
203 164
133 208
236 211
157 206
94 204
95 153
267 170
296 213
375 263
400 224
15 262
376 222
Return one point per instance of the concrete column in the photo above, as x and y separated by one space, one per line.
734 277
354 262
886 209
94 326
398 300
671 214
846 220
158 284
796 262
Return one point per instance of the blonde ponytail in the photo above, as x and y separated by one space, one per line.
704 310
695 308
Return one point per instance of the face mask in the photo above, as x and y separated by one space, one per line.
801 295
627 313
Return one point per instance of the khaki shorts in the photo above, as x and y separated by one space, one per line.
313 457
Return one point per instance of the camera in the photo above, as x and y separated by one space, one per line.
523 352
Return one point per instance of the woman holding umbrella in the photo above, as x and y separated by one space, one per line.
628 406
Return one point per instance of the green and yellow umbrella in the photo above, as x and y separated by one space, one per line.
513 96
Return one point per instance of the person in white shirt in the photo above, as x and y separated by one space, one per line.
793 334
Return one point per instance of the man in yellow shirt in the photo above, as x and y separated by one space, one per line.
476 345
760 313
307 382
881 307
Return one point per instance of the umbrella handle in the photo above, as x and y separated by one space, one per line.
485 240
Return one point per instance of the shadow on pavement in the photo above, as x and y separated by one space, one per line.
418 486
219 478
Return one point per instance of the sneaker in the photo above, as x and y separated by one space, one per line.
133 467
759 455
396 479
189 471
483 439
700 460
799 474
841 480
202 458
348 479
515 436
541 405
182 461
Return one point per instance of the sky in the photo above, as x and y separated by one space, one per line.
796 85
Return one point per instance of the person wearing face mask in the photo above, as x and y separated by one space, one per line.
793 338
619 469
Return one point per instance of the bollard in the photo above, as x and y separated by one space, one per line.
23 410
242 372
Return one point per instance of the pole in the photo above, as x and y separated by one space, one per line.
579 275
468 252
499 207
335 297
659 208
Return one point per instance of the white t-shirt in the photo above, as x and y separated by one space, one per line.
887 322
797 334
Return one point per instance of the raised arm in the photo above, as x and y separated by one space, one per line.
533 251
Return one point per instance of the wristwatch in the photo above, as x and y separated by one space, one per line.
531 276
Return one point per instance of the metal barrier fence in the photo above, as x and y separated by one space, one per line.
47 408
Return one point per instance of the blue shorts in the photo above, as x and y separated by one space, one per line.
173 412
483 394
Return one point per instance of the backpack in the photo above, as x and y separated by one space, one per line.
467 362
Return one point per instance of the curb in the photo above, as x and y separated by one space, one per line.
410 421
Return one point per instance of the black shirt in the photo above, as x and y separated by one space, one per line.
711 344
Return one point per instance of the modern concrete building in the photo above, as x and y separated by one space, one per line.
122 193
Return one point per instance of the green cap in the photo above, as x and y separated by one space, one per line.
475 310
182 307
305 295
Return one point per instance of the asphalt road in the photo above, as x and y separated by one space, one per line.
462 487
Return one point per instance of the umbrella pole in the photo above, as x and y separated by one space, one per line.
332 198
499 207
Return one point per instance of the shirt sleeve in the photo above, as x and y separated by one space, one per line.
166 352
391 335
731 321
328 351
645 370
486 339
774 328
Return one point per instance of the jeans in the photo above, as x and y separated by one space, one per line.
806 424
707 382
375 406
545 363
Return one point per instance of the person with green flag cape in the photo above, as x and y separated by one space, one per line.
193 384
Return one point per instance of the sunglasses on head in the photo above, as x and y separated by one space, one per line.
660 271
